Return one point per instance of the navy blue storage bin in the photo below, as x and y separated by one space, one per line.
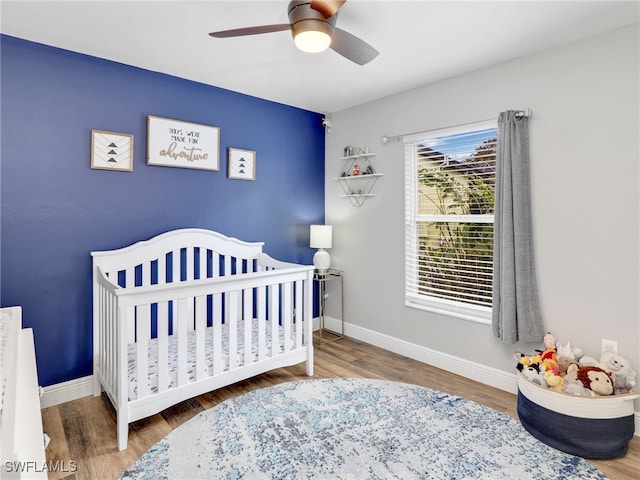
589 427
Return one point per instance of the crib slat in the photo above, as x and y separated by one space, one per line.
190 266
102 302
274 317
232 321
143 333
162 269
200 324
162 328
110 325
180 329
129 281
202 263
296 335
227 265
102 353
248 325
129 277
175 266
146 273
126 314
175 277
215 264
287 314
261 304
163 346
217 333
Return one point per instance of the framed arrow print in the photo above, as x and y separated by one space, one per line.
111 151
242 164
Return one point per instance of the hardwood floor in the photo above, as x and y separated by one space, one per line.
83 432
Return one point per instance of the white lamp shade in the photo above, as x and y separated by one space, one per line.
320 236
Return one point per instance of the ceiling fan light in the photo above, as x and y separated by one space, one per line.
312 41
312 35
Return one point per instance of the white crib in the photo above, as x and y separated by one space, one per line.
190 311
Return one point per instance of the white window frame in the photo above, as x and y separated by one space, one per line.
474 313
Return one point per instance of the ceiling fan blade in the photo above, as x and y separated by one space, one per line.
352 48
241 32
328 8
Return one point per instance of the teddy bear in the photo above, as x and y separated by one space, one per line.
588 381
624 377
563 365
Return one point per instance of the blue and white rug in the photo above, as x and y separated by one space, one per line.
354 429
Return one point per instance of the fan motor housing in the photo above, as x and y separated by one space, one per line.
304 18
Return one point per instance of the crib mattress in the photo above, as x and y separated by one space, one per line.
172 362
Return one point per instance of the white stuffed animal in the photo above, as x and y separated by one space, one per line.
567 351
624 376
566 355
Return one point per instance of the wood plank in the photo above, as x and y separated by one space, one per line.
56 452
177 414
84 430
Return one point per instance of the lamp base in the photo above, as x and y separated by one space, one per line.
321 260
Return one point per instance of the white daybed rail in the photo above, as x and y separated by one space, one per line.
22 451
190 311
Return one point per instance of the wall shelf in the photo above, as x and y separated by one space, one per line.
358 178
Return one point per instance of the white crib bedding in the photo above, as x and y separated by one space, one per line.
191 355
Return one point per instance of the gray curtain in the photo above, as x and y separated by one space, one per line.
516 310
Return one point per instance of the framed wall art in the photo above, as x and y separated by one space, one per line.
242 164
174 143
111 151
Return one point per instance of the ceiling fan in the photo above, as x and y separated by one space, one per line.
313 26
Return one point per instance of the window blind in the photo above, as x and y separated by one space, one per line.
449 198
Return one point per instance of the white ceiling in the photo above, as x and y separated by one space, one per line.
420 42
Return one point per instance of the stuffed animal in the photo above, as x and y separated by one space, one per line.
624 377
588 381
563 365
548 355
574 353
572 385
532 368
555 382
587 361
566 355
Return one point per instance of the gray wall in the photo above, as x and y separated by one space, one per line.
584 155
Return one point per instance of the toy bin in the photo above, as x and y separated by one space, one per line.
589 427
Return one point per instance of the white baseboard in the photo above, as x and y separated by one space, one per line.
66 391
507 381
500 379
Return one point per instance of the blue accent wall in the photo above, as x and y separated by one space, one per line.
55 209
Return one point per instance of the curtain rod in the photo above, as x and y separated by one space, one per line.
527 112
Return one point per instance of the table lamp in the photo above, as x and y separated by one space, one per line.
320 238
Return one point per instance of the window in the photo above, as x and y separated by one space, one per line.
449 199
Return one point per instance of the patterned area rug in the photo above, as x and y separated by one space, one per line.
354 429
